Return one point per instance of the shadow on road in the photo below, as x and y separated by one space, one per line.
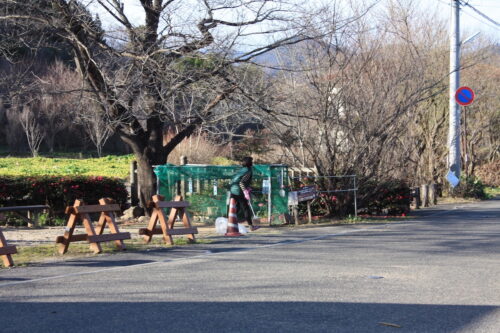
102 263
240 317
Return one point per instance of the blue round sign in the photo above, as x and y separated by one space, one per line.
464 96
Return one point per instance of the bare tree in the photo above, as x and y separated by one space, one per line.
135 69
31 122
60 94
93 120
14 132
481 120
357 93
16 89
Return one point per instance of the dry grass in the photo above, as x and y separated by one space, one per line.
34 254
452 200
198 150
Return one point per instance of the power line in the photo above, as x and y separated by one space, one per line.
489 6
470 15
481 13
446 3
478 19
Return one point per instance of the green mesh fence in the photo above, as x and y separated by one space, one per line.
206 188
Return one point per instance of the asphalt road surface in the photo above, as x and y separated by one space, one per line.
439 272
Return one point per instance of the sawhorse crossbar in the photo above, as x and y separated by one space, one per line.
79 210
167 226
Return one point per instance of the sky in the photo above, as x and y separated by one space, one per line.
471 22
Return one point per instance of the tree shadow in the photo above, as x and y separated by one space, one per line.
242 317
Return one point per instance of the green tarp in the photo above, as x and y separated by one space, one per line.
206 187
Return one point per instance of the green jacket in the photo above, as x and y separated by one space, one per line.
241 181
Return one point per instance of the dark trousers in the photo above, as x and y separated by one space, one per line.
242 205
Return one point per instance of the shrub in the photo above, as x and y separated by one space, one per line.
470 187
389 197
489 174
330 201
326 204
59 192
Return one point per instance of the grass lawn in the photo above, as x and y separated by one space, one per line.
492 192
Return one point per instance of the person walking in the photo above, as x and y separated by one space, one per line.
240 190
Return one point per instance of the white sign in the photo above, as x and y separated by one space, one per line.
304 194
452 179
293 198
215 187
307 193
265 186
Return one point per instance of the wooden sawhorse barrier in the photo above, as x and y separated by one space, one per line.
79 210
167 226
6 250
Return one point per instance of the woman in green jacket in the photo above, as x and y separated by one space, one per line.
240 190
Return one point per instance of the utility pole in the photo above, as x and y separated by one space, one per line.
454 111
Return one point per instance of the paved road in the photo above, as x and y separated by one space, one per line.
437 273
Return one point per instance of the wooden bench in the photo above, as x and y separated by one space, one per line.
17 209
167 225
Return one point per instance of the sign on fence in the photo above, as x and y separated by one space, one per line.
306 193
293 200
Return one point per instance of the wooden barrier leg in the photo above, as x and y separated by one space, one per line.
172 217
110 218
101 224
174 212
68 231
167 224
187 224
113 228
89 228
7 258
151 226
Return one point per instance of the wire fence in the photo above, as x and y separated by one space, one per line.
326 184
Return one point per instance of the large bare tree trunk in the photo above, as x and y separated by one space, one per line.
147 147
136 74
146 179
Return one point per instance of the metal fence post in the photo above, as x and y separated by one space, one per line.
355 198
269 202
134 188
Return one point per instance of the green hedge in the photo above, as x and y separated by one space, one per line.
59 192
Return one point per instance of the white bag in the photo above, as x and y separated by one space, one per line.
242 229
221 225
